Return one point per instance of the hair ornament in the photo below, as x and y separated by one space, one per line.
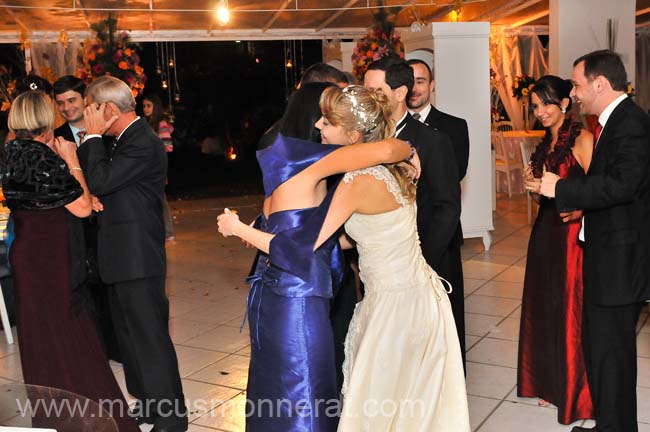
359 111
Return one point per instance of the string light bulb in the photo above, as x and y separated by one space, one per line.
223 13
171 63
289 64
164 84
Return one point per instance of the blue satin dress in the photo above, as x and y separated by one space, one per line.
292 375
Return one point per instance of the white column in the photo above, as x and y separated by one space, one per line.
578 27
462 70
346 55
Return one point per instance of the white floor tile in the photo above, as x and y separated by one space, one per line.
511 290
494 352
231 371
494 306
511 416
494 382
479 409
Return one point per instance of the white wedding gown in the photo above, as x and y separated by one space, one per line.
403 369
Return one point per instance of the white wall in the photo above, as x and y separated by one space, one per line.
462 71
578 27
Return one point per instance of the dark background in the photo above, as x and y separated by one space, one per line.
230 93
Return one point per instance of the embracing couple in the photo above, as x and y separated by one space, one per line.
403 369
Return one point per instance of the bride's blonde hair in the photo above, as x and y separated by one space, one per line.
367 111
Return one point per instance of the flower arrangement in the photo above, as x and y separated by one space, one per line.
522 85
112 53
381 41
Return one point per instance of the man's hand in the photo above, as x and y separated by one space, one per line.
547 188
571 216
95 119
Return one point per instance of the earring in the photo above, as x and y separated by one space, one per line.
563 110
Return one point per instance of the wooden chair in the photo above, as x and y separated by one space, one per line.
503 162
527 148
503 126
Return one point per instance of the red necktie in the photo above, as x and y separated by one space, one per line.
81 134
597 131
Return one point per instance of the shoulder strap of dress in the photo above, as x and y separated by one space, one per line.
380 172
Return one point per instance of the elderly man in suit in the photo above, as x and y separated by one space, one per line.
69 99
129 179
438 190
615 199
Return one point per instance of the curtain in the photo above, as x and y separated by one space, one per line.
52 60
642 81
512 53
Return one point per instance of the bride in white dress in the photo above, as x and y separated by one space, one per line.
403 368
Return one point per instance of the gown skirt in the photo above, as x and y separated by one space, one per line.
551 361
59 344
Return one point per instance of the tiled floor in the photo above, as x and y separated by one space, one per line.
207 296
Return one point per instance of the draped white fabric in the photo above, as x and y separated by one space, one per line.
513 53
642 81
54 59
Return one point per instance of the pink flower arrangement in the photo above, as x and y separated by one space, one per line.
378 43
111 53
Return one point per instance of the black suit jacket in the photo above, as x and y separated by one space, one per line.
65 132
456 128
615 196
438 191
130 182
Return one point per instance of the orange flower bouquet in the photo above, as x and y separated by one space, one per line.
112 53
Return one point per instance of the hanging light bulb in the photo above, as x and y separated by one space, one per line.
171 63
177 97
289 64
164 83
223 13
158 70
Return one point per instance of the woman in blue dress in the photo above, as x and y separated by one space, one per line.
292 374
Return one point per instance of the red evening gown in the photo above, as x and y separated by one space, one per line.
551 362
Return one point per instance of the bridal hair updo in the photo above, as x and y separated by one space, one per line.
367 111
31 114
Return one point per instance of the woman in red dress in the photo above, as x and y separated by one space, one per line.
551 363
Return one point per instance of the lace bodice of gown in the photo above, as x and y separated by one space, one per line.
390 258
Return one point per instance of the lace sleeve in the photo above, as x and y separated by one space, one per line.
36 178
380 172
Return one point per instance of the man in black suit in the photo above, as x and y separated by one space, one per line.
615 199
69 99
438 190
129 179
451 268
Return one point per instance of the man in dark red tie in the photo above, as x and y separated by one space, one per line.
69 99
615 197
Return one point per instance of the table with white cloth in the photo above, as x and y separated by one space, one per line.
512 146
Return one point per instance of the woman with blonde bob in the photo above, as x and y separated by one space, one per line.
47 194
403 368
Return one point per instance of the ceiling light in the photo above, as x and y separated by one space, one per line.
223 13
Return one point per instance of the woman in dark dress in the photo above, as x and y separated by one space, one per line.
551 364
47 194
